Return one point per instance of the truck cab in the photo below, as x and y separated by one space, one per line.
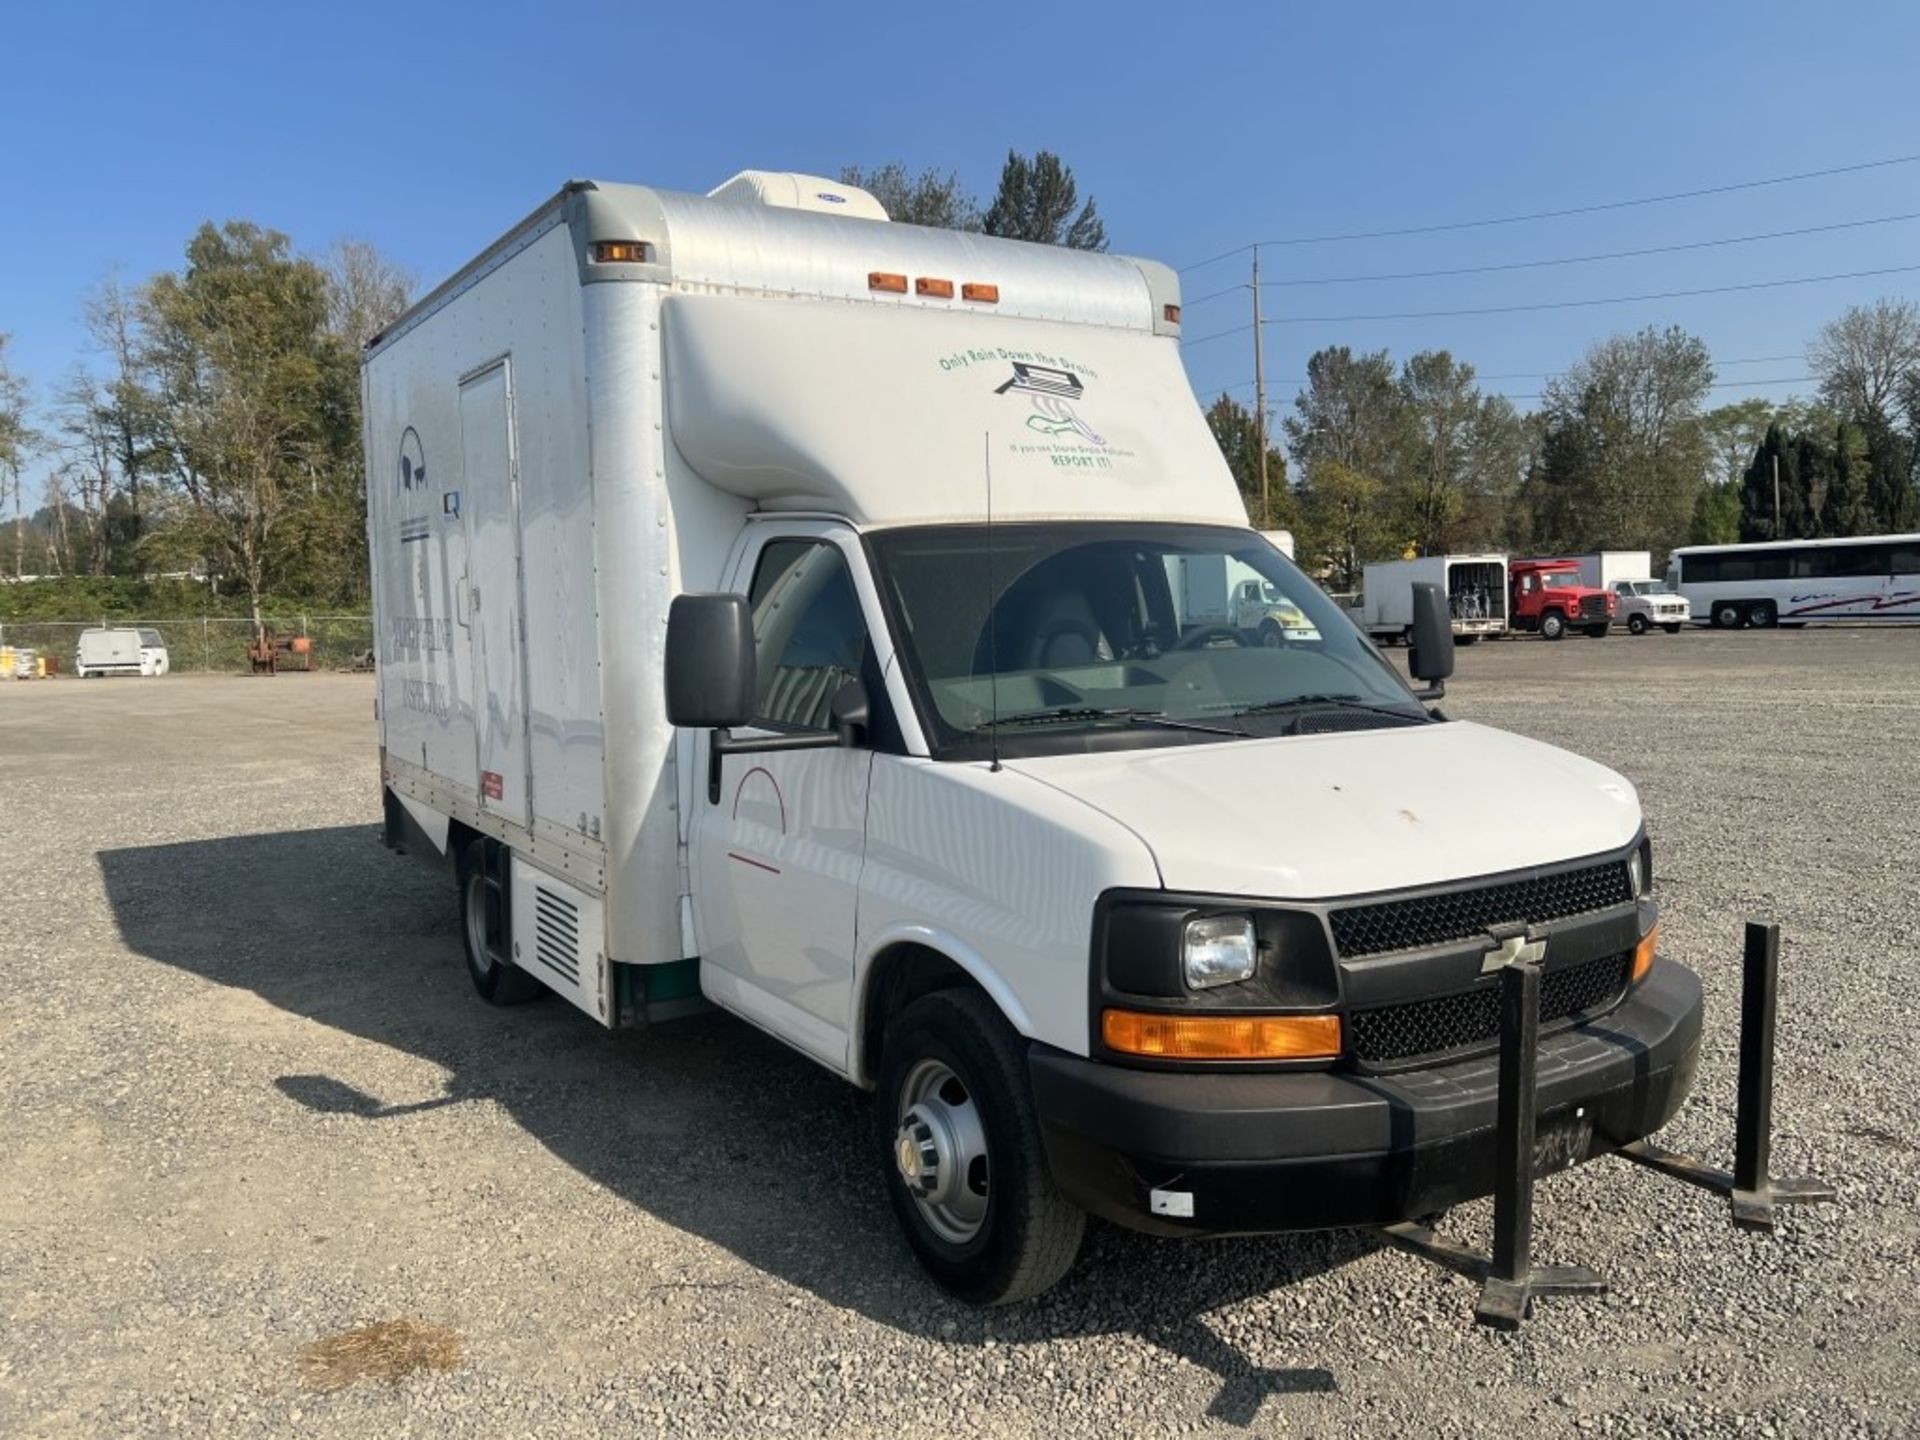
1550 598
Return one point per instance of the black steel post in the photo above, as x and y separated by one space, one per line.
1753 1117
1514 1119
1752 1192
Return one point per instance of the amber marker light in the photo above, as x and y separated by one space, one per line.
887 281
1172 312
1221 1037
938 289
1643 952
983 294
619 252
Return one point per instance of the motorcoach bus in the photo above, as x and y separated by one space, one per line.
1868 577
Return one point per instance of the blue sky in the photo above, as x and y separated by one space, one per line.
429 128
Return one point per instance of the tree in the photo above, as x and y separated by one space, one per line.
1349 412
130 413
928 198
1624 450
1845 510
1867 357
1733 432
1236 430
18 443
1036 201
87 474
366 292
1342 515
258 397
1459 457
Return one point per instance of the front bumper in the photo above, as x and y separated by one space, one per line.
1306 1150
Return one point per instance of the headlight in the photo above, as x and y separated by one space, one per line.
1640 870
1218 950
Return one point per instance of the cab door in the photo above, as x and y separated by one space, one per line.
776 861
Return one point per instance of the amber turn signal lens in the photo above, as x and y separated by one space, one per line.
985 294
1222 1037
887 281
619 252
1643 952
1172 313
939 289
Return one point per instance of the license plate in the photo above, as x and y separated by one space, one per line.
1561 1140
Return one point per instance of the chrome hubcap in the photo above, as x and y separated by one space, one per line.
940 1150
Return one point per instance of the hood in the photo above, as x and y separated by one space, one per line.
1313 817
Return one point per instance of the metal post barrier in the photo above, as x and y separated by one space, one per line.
1510 1279
1751 1191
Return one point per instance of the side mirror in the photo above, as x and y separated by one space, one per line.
711 680
852 712
1432 657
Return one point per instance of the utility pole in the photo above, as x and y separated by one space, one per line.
1260 395
1776 495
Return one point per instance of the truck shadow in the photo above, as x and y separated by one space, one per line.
704 1123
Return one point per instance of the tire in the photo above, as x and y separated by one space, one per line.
1637 625
1728 616
1671 629
498 980
1596 632
1272 637
1763 615
1553 626
955 1113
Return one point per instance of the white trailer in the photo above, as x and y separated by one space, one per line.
777 608
1602 569
1475 587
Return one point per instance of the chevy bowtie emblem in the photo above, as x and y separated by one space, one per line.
1514 947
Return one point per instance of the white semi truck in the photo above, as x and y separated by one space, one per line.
776 611
1475 587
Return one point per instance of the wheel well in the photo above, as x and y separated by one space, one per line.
900 975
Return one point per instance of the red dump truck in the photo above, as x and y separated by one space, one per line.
1549 596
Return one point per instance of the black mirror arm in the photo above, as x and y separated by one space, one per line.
1436 691
723 743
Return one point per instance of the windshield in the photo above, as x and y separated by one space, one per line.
1108 628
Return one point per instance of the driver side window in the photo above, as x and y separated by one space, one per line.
809 634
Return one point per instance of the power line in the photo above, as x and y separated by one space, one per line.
1559 214
1506 395
1549 374
1566 260
1559 304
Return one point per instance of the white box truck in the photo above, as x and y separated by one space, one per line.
1475 587
775 610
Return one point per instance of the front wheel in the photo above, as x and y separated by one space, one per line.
1552 626
966 1170
1636 624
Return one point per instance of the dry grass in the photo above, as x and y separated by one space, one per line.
390 1351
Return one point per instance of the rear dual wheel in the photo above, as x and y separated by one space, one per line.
486 931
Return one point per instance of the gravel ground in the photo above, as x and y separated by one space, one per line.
250 1103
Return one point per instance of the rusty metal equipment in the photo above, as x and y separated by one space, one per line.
1509 1278
266 651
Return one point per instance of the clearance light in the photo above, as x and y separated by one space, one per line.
938 289
886 281
1643 952
985 294
1222 1037
620 252
1172 312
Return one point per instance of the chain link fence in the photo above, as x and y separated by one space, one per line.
209 643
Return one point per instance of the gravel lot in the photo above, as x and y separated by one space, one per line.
250 1102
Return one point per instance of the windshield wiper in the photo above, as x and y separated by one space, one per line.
1344 702
1128 714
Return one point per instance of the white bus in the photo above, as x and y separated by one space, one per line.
1869 577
